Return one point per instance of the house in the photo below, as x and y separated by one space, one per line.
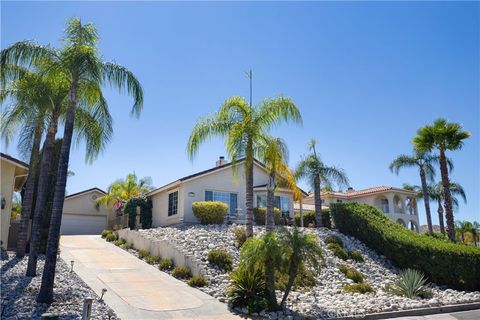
172 203
394 202
81 214
13 175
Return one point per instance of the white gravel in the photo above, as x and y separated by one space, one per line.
19 292
326 298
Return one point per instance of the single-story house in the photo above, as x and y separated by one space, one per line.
13 175
399 204
172 203
81 214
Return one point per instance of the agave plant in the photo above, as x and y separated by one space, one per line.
411 283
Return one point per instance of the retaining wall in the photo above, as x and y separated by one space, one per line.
162 248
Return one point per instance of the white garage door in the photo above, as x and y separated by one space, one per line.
82 224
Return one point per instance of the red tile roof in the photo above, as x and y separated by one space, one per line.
362 192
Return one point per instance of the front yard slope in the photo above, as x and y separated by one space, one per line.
445 263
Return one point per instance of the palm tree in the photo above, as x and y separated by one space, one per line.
412 201
425 163
244 127
301 249
442 136
317 173
81 62
474 232
463 227
122 190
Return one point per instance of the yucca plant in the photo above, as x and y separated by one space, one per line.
411 283
247 288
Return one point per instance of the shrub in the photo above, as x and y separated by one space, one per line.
358 288
338 251
240 235
120 242
127 246
111 237
247 289
166 264
143 253
442 262
411 283
309 219
259 216
221 259
152 259
181 273
106 232
304 279
356 255
210 212
334 239
351 273
197 281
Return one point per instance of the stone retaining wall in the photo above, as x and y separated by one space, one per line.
163 248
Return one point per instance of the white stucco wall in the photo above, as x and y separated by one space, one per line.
8 172
160 216
84 204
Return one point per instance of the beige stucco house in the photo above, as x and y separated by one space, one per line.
13 175
172 203
396 203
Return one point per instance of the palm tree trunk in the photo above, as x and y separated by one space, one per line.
249 198
291 278
42 190
447 198
29 194
270 215
301 212
318 201
440 217
426 200
46 290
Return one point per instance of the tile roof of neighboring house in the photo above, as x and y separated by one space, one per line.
85 191
12 159
306 207
362 192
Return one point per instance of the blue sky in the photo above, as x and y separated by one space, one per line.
365 76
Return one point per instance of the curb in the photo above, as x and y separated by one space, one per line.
418 312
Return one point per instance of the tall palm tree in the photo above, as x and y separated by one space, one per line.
412 201
243 126
80 60
442 136
463 227
317 174
424 162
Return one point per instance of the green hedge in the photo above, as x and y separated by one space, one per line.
309 217
455 265
210 212
259 216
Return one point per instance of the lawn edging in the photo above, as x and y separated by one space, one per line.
162 248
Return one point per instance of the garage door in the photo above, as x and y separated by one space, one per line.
83 224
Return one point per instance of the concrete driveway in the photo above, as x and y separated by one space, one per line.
136 290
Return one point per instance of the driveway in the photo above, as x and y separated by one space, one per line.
135 289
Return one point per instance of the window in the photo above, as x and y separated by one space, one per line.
230 199
261 201
280 202
339 201
172 203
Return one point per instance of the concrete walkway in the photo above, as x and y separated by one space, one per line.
462 315
136 290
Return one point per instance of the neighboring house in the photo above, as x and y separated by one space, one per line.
394 202
81 214
13 175
172 203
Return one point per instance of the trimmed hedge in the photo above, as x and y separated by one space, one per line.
210 212
309 218
444 263
259 216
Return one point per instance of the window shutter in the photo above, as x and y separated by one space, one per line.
208 196
233 202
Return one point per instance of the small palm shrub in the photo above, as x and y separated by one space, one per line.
181 273
152 259
247 289
304 279
259 216
143 253
338 251
105 233
111 237
411 283
358 288
210 212
335 240
356 255
120 242
166 264
221 259
197 281
351 273
240 235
